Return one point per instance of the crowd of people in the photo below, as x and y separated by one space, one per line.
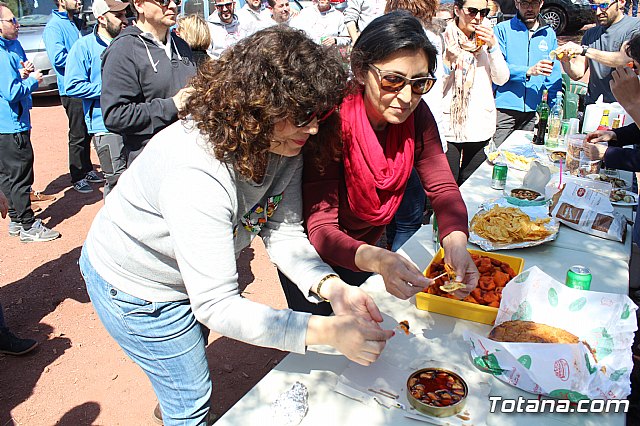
258 107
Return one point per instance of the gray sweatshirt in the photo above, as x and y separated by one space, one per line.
175 224
362 12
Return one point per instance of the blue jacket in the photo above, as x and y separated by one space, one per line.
520 52
59 35
83 80
15 93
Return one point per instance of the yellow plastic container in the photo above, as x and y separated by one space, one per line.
457 308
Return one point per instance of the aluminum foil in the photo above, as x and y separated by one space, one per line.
291 406
533 211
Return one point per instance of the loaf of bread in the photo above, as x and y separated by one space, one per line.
530 332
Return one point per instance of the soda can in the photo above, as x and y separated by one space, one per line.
499 176
579 277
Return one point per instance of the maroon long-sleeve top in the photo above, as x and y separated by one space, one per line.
334 229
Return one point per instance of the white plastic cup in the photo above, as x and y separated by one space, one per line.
574 126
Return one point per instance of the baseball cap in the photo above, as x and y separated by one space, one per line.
100 7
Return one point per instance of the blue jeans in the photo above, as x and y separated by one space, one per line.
634 10
164 339
408 218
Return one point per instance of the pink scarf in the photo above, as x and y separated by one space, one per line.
375 176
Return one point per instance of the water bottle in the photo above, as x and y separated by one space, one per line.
555 122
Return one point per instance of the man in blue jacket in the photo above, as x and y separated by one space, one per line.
82 80
525 41
18 80
61 32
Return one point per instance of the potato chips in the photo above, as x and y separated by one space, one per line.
509 225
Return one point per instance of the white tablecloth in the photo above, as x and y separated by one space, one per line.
608 261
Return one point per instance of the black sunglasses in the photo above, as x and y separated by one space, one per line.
602 6
309 115
472 11
393 82
221 6
13 20
166 3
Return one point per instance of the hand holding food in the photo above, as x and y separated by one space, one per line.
568 51
494 276
401 277
359 340
346 299
457 255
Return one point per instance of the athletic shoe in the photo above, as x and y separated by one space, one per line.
83 186
38 233
93 177
37 196
13 345
14 228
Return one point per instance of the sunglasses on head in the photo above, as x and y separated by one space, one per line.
13 20
309 115
472 11
602 6
166 3
393 82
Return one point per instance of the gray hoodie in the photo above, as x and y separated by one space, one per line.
225 35
138 81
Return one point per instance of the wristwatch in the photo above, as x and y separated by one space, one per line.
584 50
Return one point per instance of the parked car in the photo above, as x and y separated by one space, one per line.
32 22
564 16
33 17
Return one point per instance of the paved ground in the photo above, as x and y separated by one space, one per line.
78 375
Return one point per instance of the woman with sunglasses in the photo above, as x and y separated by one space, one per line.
473 62
387 133
160 259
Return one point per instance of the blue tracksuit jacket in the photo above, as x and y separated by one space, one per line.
83 80
15 93
522 52
59 35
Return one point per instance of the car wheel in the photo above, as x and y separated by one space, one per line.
555 17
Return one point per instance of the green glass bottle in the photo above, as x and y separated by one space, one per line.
542 117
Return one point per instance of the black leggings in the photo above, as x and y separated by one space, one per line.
298 302
464 158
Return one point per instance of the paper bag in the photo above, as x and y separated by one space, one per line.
605 322
587 210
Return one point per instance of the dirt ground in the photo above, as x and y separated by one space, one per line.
79 375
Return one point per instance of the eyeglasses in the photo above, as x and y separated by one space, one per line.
309 115
529 4
13 20
393 82
602 6
472 11
166 3
221 6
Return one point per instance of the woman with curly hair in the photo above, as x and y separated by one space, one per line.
389 136
160 258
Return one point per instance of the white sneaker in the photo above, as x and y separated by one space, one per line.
14 228
38 233
83 186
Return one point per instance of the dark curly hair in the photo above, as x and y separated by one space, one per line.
277 73
633 48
